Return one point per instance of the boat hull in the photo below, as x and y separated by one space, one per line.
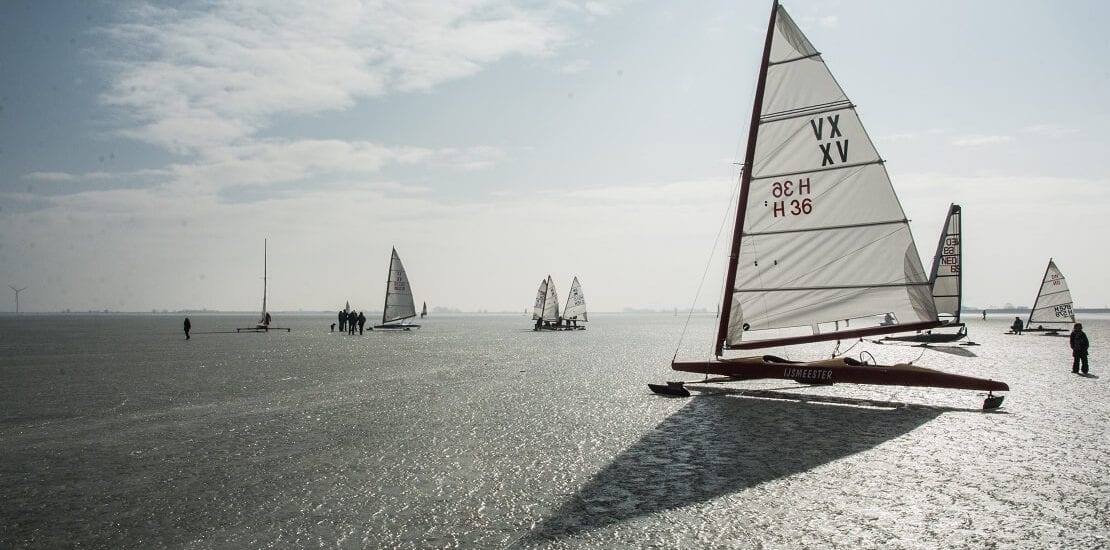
837 371
929 337
395 327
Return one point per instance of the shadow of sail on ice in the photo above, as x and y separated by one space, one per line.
721 445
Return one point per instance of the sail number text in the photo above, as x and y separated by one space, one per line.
949 254
793 200
1063 310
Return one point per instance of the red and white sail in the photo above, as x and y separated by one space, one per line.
821 235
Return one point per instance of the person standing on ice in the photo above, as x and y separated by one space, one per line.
1079 345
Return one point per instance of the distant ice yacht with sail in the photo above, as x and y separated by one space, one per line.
546 311
1053 305
575 312
820 237
399 305
264 320
946 280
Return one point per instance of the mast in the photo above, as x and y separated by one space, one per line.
265 246
958 212
745 183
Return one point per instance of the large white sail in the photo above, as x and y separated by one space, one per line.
398 294
576 303
822 237
946 276
1053 304
550 302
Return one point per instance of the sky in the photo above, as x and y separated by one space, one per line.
147 150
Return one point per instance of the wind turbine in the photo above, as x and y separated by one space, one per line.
17 291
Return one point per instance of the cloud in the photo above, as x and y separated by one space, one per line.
190 78
276 164
976 140
1052 131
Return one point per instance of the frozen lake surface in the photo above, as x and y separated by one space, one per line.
477 432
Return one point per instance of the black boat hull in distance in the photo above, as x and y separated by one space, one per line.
396 326
262 329
930 337
840 371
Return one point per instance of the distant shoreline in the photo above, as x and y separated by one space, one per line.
966 311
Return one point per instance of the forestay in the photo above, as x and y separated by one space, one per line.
823 236
1053 304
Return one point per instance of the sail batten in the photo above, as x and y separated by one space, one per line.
840 167
807 111
821 236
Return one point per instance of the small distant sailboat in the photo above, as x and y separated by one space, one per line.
947 284
398 298
576 308
546 312
1053 305
820 237
424 310
263 324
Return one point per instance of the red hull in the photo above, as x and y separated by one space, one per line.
838 371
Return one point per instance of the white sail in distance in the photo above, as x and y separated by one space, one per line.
398 294
1053 304
541 297
822 237
947 276
576 303
550 302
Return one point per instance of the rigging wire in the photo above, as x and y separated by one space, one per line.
733 197
728 216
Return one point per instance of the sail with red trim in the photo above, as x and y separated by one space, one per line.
821 237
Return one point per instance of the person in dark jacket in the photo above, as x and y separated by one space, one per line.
1079 345
342 321
361 321
352 322
188 327
1017 326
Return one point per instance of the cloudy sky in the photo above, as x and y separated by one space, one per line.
146 150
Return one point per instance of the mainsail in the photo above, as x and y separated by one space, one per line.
398 294
547 302
1053 303
820 235
946 276
576 303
